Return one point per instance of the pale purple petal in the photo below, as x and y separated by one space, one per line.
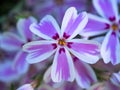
23 27
68 19
107 8
78 25
62 67
47 79
7 73
20 63
85 75
72 24
47 75
39 50
26 87
95 26
110 48
47 28
10 42
115 79
85 50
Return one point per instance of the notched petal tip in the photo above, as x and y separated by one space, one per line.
71 9
26 87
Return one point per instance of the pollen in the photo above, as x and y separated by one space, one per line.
61 42
115 27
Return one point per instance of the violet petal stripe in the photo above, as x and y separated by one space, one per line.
85 50
47 28
62 67
68 19
10 42
73 23
95 26
85 75
110 48
20 63
78 25
23 27
39 50
101 7
7 73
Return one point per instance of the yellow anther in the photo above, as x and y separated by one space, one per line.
62 42
115 27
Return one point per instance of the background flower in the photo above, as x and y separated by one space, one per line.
108 24
62 44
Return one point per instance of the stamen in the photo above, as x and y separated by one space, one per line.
62 42
115 26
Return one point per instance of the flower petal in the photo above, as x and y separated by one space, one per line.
85 75
85 50
47 75
20 63
62 68
26 87
11 40
111 48
23 27
68 19
101 7
47 79
7 73
115 79
39 50
47 28
95 26
72 23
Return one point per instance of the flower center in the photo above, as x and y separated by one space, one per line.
59 2
114 26
61 42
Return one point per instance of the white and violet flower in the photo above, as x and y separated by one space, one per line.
62 44
12 42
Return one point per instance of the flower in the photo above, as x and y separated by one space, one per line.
108 25
62 44
12 42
